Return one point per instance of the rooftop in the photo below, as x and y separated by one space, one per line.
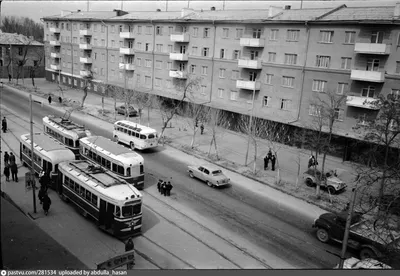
17 39
45 142
361 13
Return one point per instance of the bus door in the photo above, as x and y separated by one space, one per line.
109 215
102 212
59 183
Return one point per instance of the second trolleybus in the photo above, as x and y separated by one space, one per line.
112 202
120 160
134 135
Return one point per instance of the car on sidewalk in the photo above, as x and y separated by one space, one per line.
213 176
130 111
329 180
368 263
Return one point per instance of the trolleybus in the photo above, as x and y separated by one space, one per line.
47 154
65 131
120 160
134 135
112 202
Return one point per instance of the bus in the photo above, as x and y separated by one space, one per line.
48 153
134 135
65 131
120 160
112 202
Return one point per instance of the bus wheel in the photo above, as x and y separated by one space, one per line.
116 139
132 146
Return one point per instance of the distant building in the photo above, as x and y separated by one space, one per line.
16 48
283 57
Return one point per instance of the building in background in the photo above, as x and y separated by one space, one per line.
282 57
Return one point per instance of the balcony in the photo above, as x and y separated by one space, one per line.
126 51
372 48
252 42
178 56
177 74
86 32
248 85
363 102
55 30
128 35
55 66
372 76
84 73
127 66
182 37
248 63
55 55
55 43
85 46
85 60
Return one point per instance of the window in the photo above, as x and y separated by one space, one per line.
397 67
112 28
158 64
222 73
158 30
319 85
204 53
239 33
326 36
204 70
195 32
271 57
157 82
225 33
256 33
203 90
159 48
314 110
103 28
273 35
349 37
266 101
121 75
139 29
168 84
103 42
346 63
147 63
139 61
168 65
341 88
323 61
220 93
373 64
170 49
222 53
147 80
287 81
235 74
139 46
234 95
138 79
236 54
112 43
377 37
103 57
102 71
148 30
368 91
112 58
170 30
290 59
147 47
20 51
193 69
285 104
338 115
206 32
268 78
120 28
194 51
292 35
253 55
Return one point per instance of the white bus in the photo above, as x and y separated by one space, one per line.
134 135
120 160
65 131
112 202
47 154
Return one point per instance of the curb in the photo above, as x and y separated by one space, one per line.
8 198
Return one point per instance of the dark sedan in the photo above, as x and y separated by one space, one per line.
130 111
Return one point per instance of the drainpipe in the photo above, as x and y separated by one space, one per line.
106 50
154 45
72 54
212 60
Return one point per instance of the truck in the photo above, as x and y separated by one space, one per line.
328 180
368 238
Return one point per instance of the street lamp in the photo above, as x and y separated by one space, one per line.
251 123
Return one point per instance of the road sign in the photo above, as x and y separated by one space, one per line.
29 180
118 261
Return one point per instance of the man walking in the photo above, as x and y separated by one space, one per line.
169 188
46 203
129 246
159 185
14 171
201 129
266 159
273 160
12 158
4 125
164 189
6 157
49 99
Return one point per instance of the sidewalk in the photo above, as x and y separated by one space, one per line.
231 146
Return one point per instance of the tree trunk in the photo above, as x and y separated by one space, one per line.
193 137
148 116
255 157
215 147
85 93
102 105
115 107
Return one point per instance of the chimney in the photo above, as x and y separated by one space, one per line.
186 11
213 8
396 12
119 12
272 11
287 7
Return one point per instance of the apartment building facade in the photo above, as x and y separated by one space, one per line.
283 59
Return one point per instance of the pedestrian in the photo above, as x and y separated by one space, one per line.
41 194
44 180
201 129
9 77
266 159
60 100
129 246
7 171
46 203
12 158
169 188
6 157
4 124
49 99
159 185
14 172
273 160
164 189
269 154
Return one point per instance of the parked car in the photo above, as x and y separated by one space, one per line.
123 110
329 180
213 176
368 263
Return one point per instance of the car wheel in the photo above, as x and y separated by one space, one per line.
367 253
116 139
209 184
331 190
309 182
322 235
191 174
132 145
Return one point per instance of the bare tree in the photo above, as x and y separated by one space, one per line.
22 25
87 82
143 100
215 119
38 57
21 60
195 114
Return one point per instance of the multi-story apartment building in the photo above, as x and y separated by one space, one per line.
282 58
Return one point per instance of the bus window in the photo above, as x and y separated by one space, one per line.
129 133
137 135
128 172
142 136
82 192
88 195
94 156
117 211
94 200
76 188
151 136
98 159
103 161
114 167
141 169
108 164
125 130
130 210
69 142
121 170
77 143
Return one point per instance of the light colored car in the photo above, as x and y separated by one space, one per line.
354 263
329 180
213 176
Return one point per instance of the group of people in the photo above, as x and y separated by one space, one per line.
164 187
269 157
10 166
312 161
44 180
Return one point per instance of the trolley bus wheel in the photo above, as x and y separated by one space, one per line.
132 146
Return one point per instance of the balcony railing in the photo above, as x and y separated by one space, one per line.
127 66
178 56
55 43
362 102
55 55
363 75
55 66
180 37
248 85
85 32
126 51
129 35
54 30
251 42
248 63
85 60
85 46
372 48
177 74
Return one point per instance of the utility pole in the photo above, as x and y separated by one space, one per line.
32 160
250 123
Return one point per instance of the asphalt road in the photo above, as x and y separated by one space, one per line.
285 233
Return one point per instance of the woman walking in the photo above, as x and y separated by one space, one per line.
46 204
7 171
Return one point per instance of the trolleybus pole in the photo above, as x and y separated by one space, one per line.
32 160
